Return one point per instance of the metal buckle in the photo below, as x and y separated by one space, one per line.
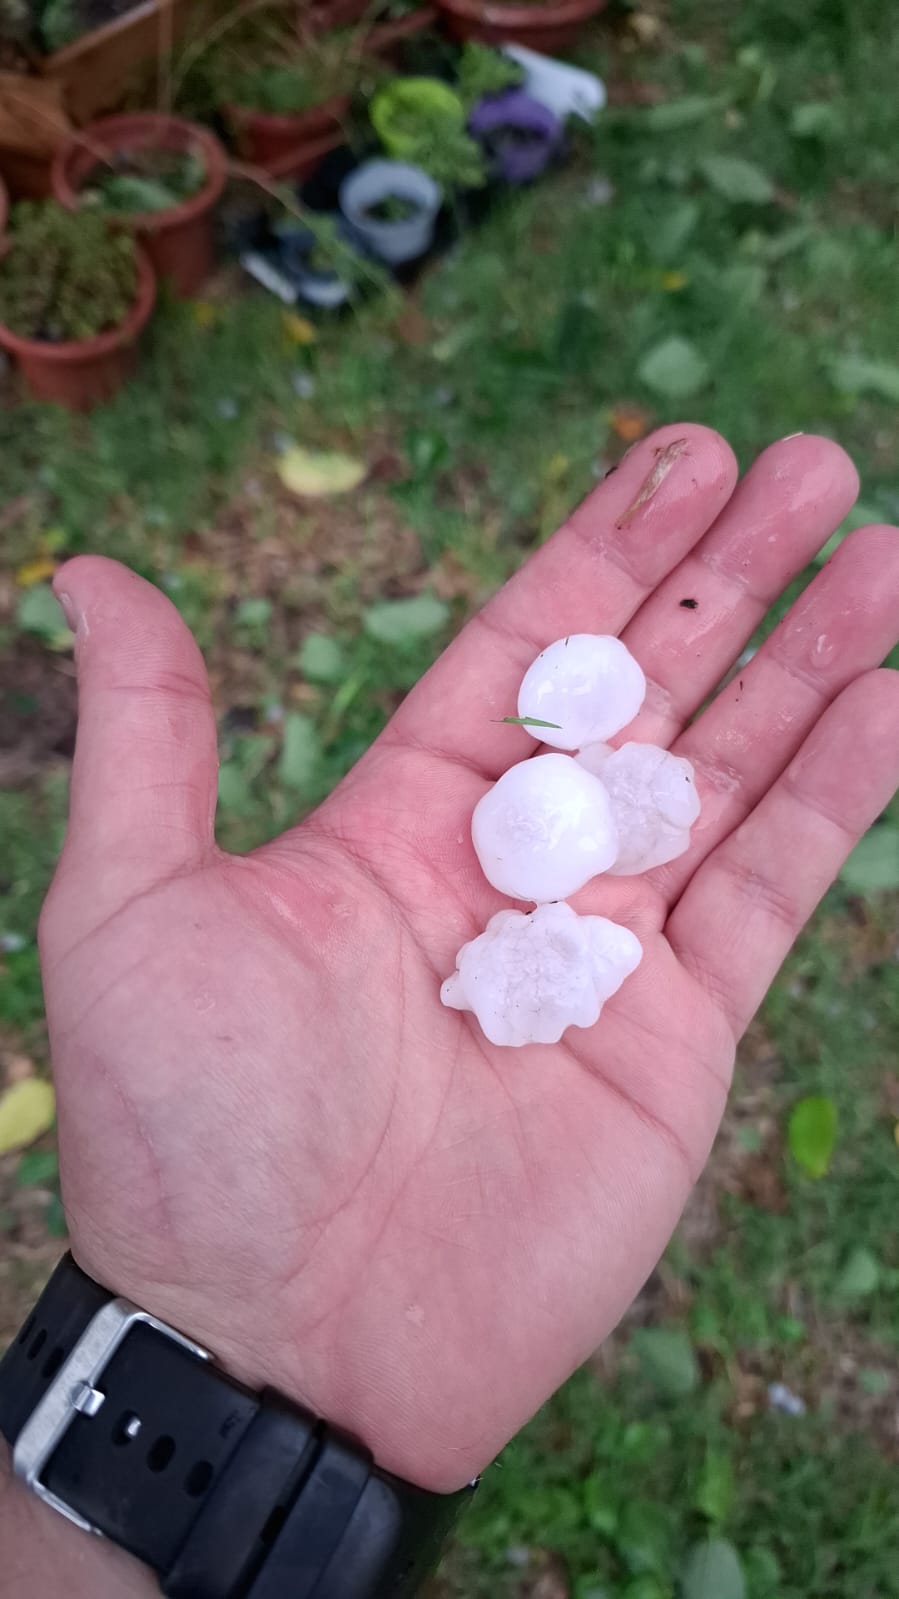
74 1391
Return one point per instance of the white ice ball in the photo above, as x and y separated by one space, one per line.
529 976
588 684
544 829
654 801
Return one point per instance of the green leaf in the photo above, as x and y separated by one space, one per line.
234 790
400 622
874 1380
812 1134
55 1218
38 612
873 866
668 1359
744 282
674 368
856 375
645 1587
715 1490
683 113
713 1571
644 1537
600 1504
528 721
816 119
860 1275
300 751
737 180
37 1167
253 613
321 659
667 239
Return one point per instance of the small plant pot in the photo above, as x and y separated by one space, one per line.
180 241
267 139
82 373
393 104
320 287
555 25
402 239
519 135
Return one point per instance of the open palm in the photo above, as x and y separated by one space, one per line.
271 1132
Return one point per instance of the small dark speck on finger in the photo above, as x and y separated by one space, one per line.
689 605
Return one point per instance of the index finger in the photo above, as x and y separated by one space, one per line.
591 577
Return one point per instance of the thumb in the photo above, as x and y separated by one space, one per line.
143 793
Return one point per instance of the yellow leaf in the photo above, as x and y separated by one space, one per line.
556 467
27 1110
629 422
315 474
36 571
298 329
204 314
672 281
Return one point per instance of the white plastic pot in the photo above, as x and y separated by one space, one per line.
374 181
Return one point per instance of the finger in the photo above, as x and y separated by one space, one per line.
786 507
590 578
744 908
845 623
144 775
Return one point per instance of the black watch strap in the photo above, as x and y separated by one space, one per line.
132 1431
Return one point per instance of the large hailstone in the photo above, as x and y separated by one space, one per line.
529 976
654 801
588 684
544 829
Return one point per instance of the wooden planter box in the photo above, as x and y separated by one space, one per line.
94 70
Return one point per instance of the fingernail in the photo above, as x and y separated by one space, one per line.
67 606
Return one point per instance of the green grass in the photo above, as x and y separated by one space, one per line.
485 427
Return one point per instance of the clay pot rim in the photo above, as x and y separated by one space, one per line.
535 18
286 121
112 132
72 351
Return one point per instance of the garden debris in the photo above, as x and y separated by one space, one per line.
317 474
653 481
27 1110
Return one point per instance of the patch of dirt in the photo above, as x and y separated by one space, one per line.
38 706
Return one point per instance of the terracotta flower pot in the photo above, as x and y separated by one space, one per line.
82 373
179 241
555 25
266 138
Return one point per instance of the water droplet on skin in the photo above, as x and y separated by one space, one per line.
822 650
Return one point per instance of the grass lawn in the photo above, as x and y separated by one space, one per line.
723 245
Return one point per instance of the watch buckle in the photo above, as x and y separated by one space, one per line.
77 1390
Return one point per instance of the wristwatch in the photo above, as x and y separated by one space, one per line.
130 1429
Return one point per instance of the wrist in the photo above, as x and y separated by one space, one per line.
44 1555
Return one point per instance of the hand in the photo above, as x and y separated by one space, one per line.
271 1132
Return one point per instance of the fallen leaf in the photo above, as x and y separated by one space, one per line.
672 282
737 180
317 474
35 571
654 479
405 621
298 329
713 1571
27 1110
204 314
629 423
812 1134
674 368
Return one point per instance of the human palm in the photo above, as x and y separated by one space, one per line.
273 1134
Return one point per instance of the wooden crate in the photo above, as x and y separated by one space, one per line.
95 69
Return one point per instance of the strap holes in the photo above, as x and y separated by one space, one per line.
53 1362
161 1453
198 1479
37 1344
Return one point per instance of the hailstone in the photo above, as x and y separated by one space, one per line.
588 684
544 829
530 975
654 801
